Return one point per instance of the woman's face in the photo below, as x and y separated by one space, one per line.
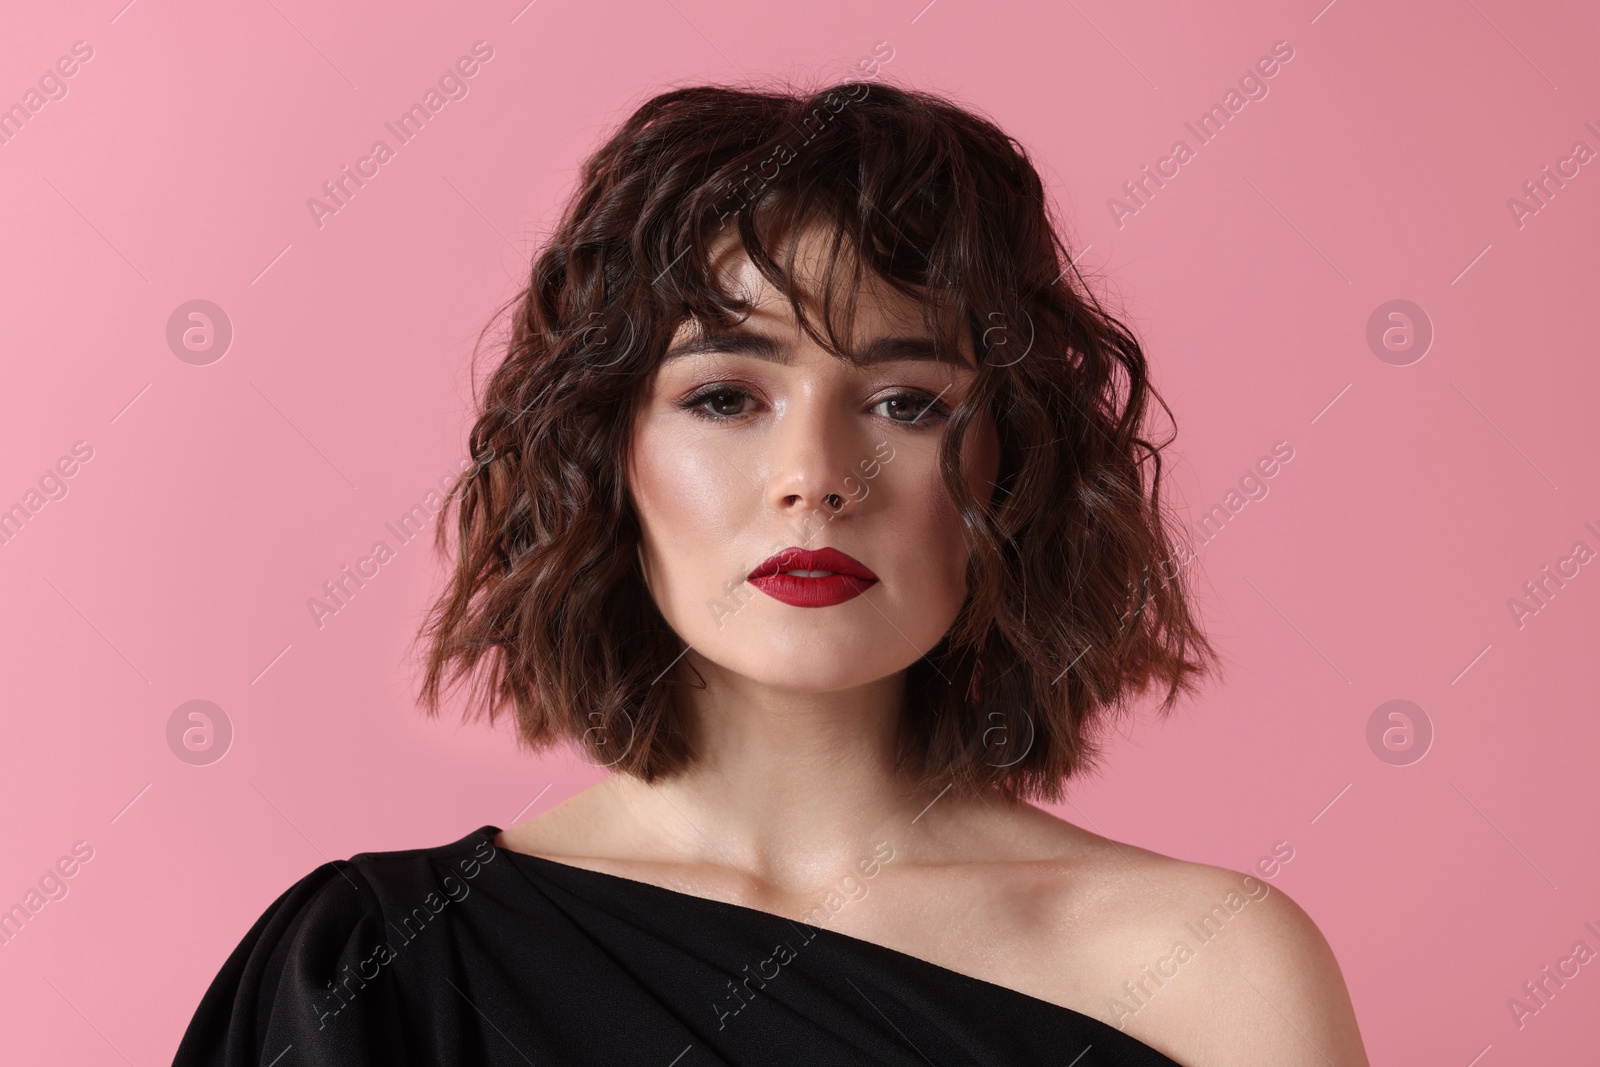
761 441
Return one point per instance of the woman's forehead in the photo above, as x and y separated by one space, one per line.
879 307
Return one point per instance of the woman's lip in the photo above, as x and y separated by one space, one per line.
812 592
819 559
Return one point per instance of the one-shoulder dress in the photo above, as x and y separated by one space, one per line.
469 953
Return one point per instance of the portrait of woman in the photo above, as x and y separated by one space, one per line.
816 497
706 533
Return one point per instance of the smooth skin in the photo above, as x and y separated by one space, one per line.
794 785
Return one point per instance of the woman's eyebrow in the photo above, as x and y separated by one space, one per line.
741 342
734 342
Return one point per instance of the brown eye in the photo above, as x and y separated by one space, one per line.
917 409
723 399
714 404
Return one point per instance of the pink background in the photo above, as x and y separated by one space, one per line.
220 497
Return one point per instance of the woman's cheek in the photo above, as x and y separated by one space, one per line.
679 489
929 528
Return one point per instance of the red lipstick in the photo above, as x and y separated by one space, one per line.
845 578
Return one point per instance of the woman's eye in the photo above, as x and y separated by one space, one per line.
918 408
715 403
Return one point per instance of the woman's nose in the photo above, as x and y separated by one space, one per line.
810 460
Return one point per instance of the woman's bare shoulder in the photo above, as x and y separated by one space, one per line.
582 829
1208 964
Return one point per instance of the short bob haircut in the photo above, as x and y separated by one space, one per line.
1076 595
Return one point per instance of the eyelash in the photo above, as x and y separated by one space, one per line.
694 405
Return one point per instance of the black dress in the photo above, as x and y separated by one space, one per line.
473 954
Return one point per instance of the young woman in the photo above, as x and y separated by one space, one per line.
813 499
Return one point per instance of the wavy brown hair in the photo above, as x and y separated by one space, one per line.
1075 603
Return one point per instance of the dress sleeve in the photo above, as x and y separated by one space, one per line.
306 977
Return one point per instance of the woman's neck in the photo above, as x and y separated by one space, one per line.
790 788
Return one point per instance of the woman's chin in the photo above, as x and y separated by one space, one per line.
826 668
